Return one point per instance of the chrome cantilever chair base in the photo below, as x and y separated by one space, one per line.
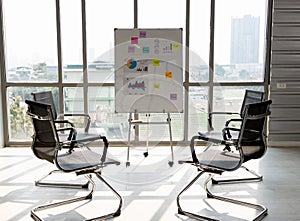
42 183
78 199
255 178
263 210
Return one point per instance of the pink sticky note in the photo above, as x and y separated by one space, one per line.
131 49
134 40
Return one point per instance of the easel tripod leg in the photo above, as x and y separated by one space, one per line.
171 141
128 143
147 141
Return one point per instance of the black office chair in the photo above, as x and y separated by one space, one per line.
250 97
214 159
47 97
230 132
69 156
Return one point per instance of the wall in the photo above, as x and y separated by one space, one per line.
1 118
284 127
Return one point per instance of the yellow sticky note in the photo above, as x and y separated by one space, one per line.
175 47
156 62
169 74
156 85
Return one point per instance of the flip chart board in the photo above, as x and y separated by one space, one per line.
148 71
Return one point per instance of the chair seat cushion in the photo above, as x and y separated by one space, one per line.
215 158
79 136
80 159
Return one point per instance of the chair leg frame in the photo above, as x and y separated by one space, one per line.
259 207
77 199
257 178
41 183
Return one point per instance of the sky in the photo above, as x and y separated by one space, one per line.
30 26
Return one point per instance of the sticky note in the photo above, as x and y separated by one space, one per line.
146 50
134 40
131 49
156 85
169 74
156 62
175 46
143 34
173 97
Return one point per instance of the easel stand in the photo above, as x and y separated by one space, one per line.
148 122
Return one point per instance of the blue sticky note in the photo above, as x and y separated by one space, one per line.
146 50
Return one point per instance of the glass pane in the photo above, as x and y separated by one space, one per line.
101 20
73 100
239 40
198 109
101 72
115 125
19 124
228 99
73 104
71 37
31 49
199 40
168 14
160 132
102 111
161 14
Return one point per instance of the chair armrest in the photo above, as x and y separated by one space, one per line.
87 126
72 143
232 120
218 113
105 141
201 136
232 128
64 129
72 133
64 122
226 132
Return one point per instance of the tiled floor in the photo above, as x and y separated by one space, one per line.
149 188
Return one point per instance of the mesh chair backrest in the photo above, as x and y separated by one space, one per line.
251 97
45 137
251 137
47 98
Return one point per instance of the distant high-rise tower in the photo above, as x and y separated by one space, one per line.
244 40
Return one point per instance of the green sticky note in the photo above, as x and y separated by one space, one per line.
156 62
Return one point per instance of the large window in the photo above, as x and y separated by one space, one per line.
199 41
71 40
19 124
101 21
198 109
228 99
168 14
239 40
67 46
30 40
30 58
198 66
229 49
